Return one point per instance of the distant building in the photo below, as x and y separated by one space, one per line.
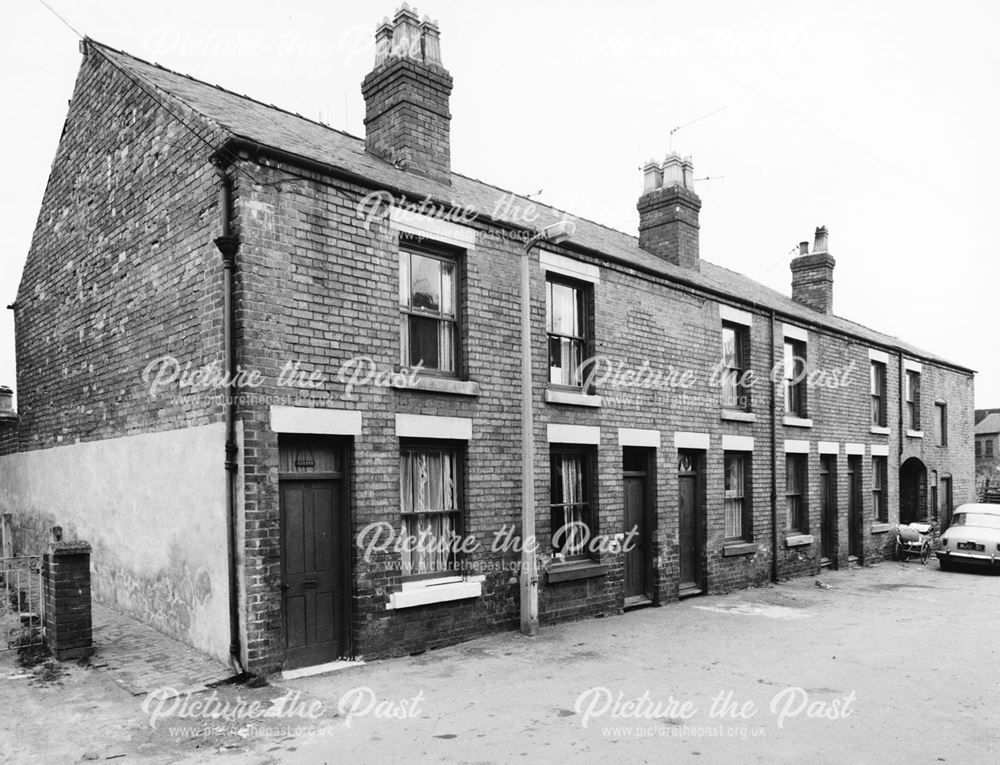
987 450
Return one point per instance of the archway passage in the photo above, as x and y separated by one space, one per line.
912 491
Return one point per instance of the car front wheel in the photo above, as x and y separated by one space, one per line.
946 565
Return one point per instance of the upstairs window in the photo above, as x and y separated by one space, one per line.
428 300
566 326
979 448
913 400
879 410
795 378
735 362
941 423
989 447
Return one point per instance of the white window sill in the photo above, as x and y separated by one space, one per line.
797 422
572 398
428 591
880 528
439 385
878 430
737 416
798 540
914 434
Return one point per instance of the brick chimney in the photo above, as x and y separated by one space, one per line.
407 119
668 211
812 274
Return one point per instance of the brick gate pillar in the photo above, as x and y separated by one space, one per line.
66 582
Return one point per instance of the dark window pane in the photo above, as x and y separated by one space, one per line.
426 282
424 341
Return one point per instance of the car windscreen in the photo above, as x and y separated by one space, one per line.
976 519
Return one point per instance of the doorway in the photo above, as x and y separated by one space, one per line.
315 553
912 491
638 470
947 501
689 527
828 509
855 527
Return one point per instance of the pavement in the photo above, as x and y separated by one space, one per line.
889 664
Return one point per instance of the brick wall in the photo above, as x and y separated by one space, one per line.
121 269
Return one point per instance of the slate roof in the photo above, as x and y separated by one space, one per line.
989 425
240 116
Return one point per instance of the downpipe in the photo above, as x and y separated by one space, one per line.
228 245
774 463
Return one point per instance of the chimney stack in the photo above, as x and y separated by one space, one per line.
407 117
668 211
812 275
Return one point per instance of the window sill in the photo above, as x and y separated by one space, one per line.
435 591
440 385
737 416
571 398
568 572
880 528
797 422
914 434
732 549
878 430
798 540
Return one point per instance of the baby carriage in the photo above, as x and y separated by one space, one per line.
913 539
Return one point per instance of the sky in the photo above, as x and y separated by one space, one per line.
877 120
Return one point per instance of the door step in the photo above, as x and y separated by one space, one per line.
689 591
825 563
637 601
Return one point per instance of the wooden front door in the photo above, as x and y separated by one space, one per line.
636 468
687 510
946 501
314 560
828 507
854 524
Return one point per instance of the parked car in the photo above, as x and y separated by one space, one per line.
973 536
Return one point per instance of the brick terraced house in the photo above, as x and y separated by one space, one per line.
361 302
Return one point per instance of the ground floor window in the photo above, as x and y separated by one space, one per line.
880 472
429 503
570 504
795 493
737 495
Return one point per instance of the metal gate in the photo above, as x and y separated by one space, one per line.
21 610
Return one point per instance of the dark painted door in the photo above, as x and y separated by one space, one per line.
687 480
946 502
854 525
828 506
638 465
312 588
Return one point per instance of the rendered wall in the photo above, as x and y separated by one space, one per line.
153 508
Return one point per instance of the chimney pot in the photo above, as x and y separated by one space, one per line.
803 248
821 241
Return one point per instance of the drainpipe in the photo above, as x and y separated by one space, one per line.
774 464
228 245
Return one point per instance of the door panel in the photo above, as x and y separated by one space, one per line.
312 585
688 535
635 559
854 523
828 507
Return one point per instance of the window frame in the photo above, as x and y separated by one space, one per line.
797 464
912 398
584 295
879 377
880 479
941 422
979 448
988 451
446 254
795 392
741 344
457 560
745 497
589 516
